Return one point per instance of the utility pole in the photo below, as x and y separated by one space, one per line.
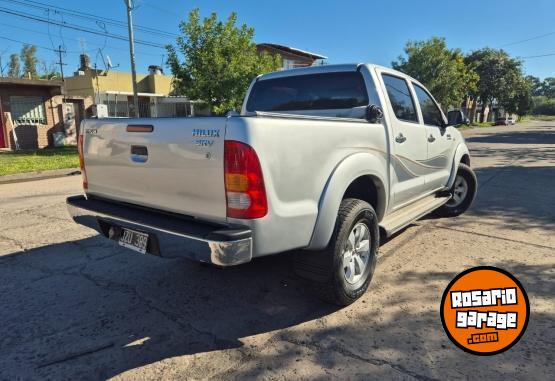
1 66
60 52
135 111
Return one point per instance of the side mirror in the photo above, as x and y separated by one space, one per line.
374 114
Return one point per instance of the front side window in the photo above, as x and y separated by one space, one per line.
325 91
27 110
400 98
430 112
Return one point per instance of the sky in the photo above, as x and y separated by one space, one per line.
344 31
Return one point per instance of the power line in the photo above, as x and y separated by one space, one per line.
538 56
27 43
160 9
75 27
78 40
528 39
88 16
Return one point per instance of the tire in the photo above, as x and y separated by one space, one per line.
337 274
464 181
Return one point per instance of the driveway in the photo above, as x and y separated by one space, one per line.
76 306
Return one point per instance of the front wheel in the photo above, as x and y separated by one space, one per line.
463 193
340 274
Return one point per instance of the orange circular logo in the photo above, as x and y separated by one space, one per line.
485 310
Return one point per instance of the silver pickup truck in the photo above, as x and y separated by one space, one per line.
321 159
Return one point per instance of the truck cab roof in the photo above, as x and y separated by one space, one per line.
322 69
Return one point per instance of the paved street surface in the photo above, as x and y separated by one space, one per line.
76 306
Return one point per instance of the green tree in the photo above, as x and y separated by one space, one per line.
48 71
543 105
535 85
521 101
548 87
219 61
14 67
500 76
29 59
442 70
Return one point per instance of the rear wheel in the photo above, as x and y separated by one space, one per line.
341 273
463 193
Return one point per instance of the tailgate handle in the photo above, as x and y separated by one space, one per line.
139 150
139 154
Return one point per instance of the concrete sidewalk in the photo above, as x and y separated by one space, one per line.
42 175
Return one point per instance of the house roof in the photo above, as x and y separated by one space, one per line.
296 51
56 83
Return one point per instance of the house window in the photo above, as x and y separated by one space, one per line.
288 64
28 110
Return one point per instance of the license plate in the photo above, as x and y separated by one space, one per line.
134 240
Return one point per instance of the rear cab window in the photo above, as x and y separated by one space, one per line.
400 98
322 91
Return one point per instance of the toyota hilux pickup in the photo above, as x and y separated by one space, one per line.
322 160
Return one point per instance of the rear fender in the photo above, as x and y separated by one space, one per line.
351 168
461 150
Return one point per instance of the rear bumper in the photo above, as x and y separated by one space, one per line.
170 236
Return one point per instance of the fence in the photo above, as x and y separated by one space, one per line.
157 108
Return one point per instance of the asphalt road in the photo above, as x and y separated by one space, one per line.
75 306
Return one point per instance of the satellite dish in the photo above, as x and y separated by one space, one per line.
109 62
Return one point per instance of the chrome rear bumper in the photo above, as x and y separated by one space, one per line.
170 236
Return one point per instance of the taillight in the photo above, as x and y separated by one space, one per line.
244 184
80 149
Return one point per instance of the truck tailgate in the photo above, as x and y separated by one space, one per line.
168 164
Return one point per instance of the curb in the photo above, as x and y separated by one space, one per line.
34 176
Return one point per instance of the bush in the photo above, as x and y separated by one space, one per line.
543 118
482 124
543 106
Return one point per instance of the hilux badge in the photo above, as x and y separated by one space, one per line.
201 133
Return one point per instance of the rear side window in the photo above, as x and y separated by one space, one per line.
400 98
430 113
326 91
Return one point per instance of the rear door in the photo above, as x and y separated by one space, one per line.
172 164
409 146
439 140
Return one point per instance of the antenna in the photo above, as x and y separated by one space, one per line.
103 59
107 61
83 45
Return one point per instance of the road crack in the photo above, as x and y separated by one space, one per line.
493 236
347 353
19 245
77 354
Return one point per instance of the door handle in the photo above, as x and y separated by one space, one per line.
431 138
400 138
